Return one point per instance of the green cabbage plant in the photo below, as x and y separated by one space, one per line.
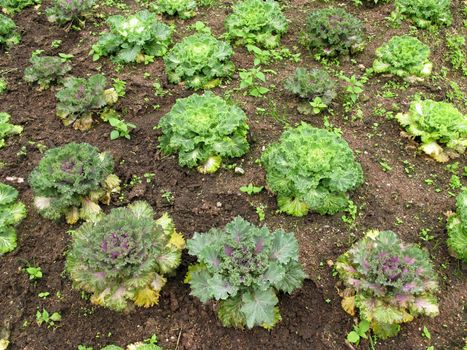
388 281
199 61
135 38
12 212
80 98
8 34
404 56
124 257
45 70
243 267
11 7
425 12
181 8
71 180
436 123
309 84
147 345
256 22
334 32
457 228
203 130
7 129
66 11
311 169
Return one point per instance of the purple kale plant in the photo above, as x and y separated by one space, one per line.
243 267
388 281
123 258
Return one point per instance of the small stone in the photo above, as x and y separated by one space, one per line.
218 204
239 170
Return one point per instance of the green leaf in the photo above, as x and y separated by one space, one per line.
7 240
284 247
220 289
251 189
293 278
353 337
426 333
55 317
258 307
200 285
8 194
114 135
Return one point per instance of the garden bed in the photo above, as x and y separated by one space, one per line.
311 317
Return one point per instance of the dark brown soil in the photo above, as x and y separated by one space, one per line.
311 317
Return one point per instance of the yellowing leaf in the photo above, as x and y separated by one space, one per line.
177 240
4 344
348 304
146 297
406 317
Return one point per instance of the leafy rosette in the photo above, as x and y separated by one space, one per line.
45 70
8 34
12 213
311 169
199 61
182 8
124 257
203 130
256 22
65 11
7 129
309 84
388 281
243 267
425 13
11 7
136 38
80 98
71 180
404 56
436 123
457 228
334 32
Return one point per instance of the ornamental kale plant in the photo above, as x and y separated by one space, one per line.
311 169
203 130
436 123
136 38
80 98
333 32
11 7
182 8
404 56
124 257
256 22
8 34
12 213
71 180
45 70
388 281
7 129
457 228
200 61
243 267
66 11
425 12
309 84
